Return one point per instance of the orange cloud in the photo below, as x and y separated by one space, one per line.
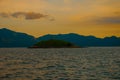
29 15
26 15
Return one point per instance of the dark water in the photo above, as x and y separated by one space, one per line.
60 64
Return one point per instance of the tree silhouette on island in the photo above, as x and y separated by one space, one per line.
54 43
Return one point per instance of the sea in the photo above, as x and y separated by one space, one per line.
90 63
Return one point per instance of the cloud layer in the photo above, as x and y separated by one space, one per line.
109 20
113 19
25 15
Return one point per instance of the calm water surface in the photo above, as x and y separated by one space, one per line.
94 63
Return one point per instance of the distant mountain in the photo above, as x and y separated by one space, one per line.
9 38
84 41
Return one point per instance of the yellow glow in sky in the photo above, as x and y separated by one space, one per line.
39 17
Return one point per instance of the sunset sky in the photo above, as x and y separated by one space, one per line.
39 17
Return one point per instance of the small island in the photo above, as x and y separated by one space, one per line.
53 43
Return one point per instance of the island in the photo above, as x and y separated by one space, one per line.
54 43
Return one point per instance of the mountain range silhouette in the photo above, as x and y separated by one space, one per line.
9 38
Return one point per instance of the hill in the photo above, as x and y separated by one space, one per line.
84 41
9 38
53 43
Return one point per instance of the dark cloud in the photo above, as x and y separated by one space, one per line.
28 15
113 19
109 20
25 15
